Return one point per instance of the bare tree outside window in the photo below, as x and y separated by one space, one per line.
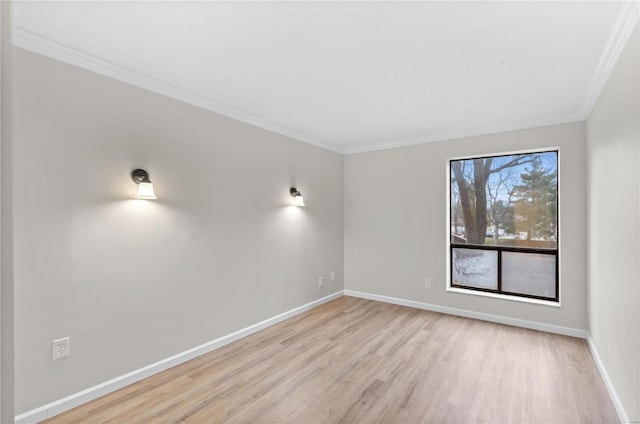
506 203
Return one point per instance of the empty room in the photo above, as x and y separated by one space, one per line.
320 212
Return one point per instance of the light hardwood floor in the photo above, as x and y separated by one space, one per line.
360 361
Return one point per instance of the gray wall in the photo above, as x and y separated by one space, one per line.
396 224
613 195
6 250
131 281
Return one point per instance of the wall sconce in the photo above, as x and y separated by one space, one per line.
298 200
145 187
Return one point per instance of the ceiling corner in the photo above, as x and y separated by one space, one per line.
627 21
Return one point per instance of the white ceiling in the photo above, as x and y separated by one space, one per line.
348 76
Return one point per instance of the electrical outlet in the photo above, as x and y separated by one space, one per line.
60 348
333 276
427 283
320 281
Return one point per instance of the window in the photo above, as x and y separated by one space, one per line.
503 224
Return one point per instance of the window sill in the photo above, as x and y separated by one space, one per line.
505 297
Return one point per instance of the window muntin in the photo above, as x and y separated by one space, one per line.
503 224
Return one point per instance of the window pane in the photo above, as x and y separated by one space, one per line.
529 273
475 268
509 200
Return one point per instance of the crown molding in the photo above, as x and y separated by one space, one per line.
627 21
44 46
515 126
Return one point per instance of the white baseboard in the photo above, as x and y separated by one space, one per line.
550 328
567 331
622 414
69 402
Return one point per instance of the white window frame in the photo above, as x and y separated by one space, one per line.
501 296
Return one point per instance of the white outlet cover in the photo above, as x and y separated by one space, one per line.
333 276
60 348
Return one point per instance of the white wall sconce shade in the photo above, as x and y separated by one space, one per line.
145 187
298 200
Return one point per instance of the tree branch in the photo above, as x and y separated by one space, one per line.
515 162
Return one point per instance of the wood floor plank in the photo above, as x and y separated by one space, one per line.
359 361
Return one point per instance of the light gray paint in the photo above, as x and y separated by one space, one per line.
396 225
6 249
613 195
130 281
133 282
